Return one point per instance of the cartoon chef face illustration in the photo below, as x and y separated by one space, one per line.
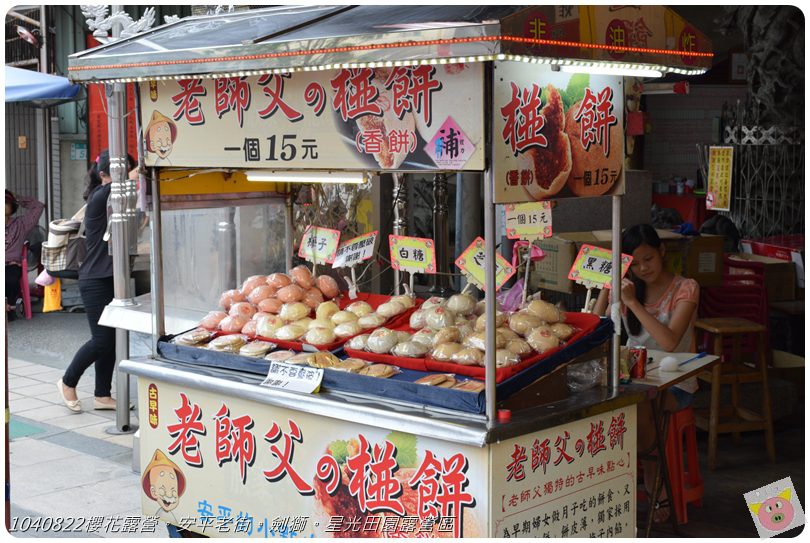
161 133
163 482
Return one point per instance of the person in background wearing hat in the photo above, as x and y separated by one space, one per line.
17 229
96 289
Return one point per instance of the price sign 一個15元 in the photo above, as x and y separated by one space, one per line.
319 245
471 262
594 265
413 255
528 221
355 250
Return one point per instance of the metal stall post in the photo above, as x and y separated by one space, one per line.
289 231
490 302
156 267
615 308
441 280
400 225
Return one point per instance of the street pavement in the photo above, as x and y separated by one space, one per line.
63 464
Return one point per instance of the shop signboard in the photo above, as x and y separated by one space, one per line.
576 480
528 221
556 134
319 245
228 467
721 163
593 266
396 118
471 263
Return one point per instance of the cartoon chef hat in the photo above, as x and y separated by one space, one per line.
160 460
158 117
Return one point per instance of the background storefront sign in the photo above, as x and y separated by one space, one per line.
576 480
226 467
557 134
319 245
413 255
471 263
594 265
721 164
528 221
355 250
356 119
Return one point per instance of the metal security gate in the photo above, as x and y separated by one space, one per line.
21 149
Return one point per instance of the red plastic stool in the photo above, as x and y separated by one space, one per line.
687 484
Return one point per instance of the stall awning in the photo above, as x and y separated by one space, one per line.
38 88
287 39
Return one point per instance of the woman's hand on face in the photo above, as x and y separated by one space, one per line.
628 292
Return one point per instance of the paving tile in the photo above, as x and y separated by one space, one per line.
16 363
96 431
40 390
46 414
91 447
48 376
66 473
16 383
24 404
78 420
87 499
31 451
124 440
14 396
38 369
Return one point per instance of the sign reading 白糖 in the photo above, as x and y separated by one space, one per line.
528 221
319 245
405 117
413 255
355 250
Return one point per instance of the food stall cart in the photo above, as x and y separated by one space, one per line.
237 106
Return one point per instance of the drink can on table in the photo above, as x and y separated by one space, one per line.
638 362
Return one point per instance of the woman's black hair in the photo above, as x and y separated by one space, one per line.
632 238
101 165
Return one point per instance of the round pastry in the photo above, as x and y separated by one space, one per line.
390 309
260 293
342 317
258 315
328 286
351 365
383 371
418 319
470 386
242 309
270 305
252 282
302 277
381 341
290 332
294 311
324 359
545 311
211 320
301 359
230 297
249 329
256 349
465 330
358 343
410 349
450 334
321 323
326 310
450 382
562 330
522 322
230 343
360 308
279 356
347 329
445 351
312 298
194 337
406 301
508 333
542 340
403 336
463 304
267 326
439 317
303 323
434 379
424 336
371 321
233 323
279 280
434 301
481 322
468 357
320 336
519 347
478 340
505 358
290 293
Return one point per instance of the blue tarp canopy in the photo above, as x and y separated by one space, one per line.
39 88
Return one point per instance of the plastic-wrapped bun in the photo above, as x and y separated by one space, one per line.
542 340
545 311
328 286
382 341
505 358
321 323
279 356
267 326
258 315
390 309
424 336
406 301
252 282
352 365
410 349
302 277
243 309
439 317
562 330
418 319
358 343
468 357
325 310
403 336
270 305
230 297
233 323
320 336
450 334
347 329
463 304
522 322
465 330
194 337
360 308
249 329
478 340
434 301
481 307
290 332
371 321
290 293
256 349
508 333
445 351
211 320
303 323
481 322
342 317
230 343
279 280
294 311
519 347
260 293
312 298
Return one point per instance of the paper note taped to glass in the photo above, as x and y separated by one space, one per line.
594 265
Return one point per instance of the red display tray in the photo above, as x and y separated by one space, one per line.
583 323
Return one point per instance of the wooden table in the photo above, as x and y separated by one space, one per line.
662 380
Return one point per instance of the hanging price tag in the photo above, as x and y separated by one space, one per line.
295 378
471 262
319 245
528 221
593 266
413 255
355 250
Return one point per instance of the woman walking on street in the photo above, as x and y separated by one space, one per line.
96 288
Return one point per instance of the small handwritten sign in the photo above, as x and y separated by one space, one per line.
296 378
471 262
594 265
319 245
413 255
528 221
355 250
718 193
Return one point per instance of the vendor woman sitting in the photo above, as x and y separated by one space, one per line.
659 310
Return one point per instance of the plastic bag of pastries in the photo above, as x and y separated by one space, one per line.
303 323
410 349
302 277
470 386
326 310
278 280
193 337
418 319
230 297
294 311
252 282
290 332
468 357
390 309
478 340
351 365
481 321
328 286
360 308
324 359
505 358
562 330
249 329
381 341
522 322
347 329
461 304
267 326
321 323
439 317
270 305
542 339
434 301
435 379
243 309
545 311
256 349
424 336
508 333
290 293
262 292
320 336
301 359
342 317
230 343
279 356
212 319
444 351
382 371
519 347
371 321
407 301
312 298
403 336
358 343
233 323
451 334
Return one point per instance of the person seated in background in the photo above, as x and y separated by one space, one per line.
17 229
659 309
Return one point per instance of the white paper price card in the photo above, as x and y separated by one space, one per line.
295 378
319 245
528 221
355 250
